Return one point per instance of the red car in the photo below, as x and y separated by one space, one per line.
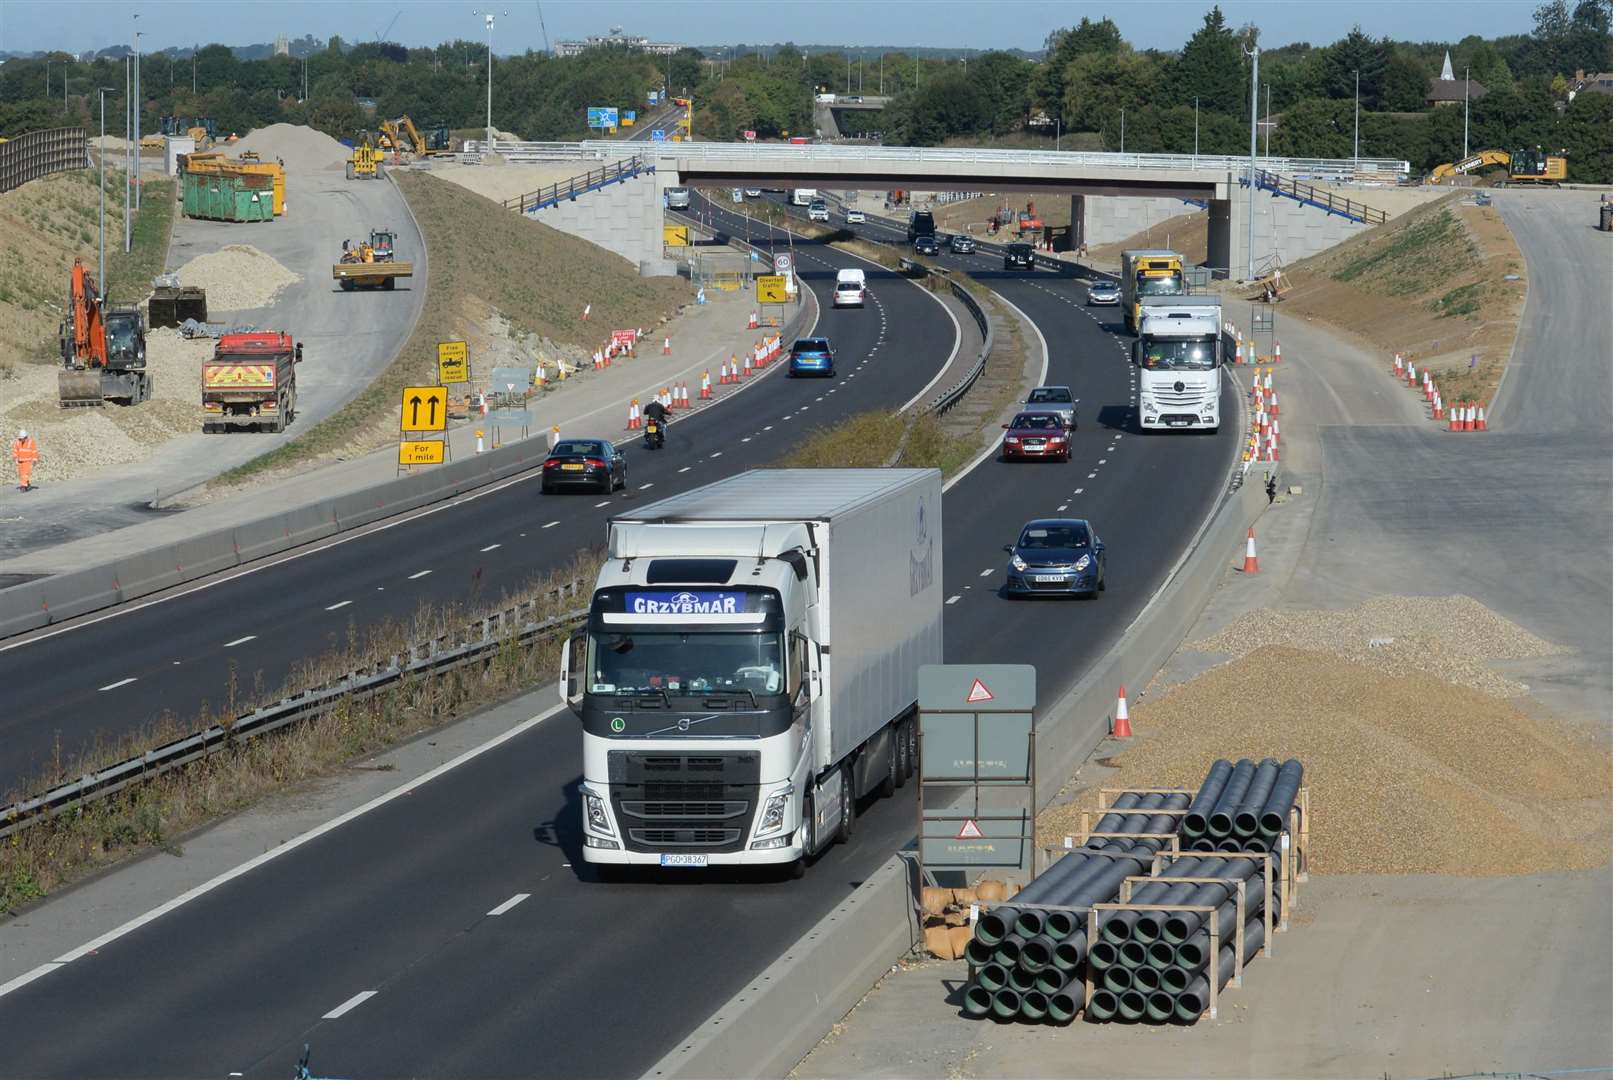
1036 436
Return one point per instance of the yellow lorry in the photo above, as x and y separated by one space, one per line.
1148 273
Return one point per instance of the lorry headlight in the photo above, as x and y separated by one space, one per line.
773 811
1017 563
596 842
594 808
1149 406
775 842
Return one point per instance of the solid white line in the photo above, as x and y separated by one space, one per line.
551 524
240 641
349 1005
953 599
29 976
342 604
508 904
120 682
419 574
490 547
295 842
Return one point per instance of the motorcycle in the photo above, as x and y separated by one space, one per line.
654 436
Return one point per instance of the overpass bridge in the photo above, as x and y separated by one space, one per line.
824 108
1213 180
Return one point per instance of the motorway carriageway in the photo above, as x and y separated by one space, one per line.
449 934
107 674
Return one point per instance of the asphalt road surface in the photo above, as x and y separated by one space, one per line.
580 978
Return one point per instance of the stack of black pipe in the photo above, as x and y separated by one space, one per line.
1028 962
1242 807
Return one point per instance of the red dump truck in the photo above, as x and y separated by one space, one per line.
251 382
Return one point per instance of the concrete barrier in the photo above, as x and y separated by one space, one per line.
144 572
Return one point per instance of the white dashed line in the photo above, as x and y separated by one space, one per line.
1092 476
349 1005
120 682
686 468
1103 461
1063 507
953 599
988 571
418 574
716 453
551 524
240 641
508 904
491 547
1079 490
342 604
646 487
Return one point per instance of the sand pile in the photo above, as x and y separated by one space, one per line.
237 278
300 148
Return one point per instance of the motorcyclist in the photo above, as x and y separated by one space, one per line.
654 424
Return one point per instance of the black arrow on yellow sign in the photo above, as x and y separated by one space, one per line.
414 411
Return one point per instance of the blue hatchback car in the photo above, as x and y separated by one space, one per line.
812 356
1058 556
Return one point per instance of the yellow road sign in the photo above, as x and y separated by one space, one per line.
675 235
420 452
453 362
770 289
425 408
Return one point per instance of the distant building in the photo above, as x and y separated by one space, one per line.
282 47
634 42
1449 90
1600 82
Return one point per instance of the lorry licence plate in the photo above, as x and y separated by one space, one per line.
570 467
684 861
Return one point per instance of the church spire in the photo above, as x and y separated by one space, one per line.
1447 74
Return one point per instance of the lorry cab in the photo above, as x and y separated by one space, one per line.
1179 352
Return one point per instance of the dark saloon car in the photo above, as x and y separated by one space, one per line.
590 464
1056 555
1019 257
926 244
1036 436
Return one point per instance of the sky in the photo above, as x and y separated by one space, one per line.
85 25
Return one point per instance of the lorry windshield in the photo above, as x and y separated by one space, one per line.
1168 285
1178 355
690 662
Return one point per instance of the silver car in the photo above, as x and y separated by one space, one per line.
855 217
1103 292
1054 399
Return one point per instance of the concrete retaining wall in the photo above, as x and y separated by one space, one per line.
624 218
1284 227
1106 219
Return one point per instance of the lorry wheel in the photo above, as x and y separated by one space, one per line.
848 806
912 748
903 764
893 770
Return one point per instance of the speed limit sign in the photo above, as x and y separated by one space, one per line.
782 262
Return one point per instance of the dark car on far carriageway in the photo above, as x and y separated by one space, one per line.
590 464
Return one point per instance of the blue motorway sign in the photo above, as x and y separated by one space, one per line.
657 135
603 117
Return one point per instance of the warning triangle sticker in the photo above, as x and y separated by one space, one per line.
978 692
970 831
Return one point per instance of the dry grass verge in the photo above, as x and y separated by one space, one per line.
483 257
1443 285
864 441
57 852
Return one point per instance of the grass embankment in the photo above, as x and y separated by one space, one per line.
43 225
864 442
483 257
1431 285
55 853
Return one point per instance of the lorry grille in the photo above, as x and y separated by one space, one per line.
1188 398
702 801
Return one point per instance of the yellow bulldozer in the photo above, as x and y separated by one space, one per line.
1524 167
364 163
369 264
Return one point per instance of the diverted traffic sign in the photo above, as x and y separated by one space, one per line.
425 408
453 362
420 452
772 289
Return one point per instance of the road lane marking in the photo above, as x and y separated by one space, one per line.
646 487
953 599
551 525
686 468
342 604
1092 476
1103 461
716 453
349 1005
418 574
597 505
490 547
1079 490
120 682
508 904
1064 506
240 641
988 571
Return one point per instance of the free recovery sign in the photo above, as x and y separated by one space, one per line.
425 408
453 362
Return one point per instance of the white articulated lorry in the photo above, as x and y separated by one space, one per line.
750 664
1179 352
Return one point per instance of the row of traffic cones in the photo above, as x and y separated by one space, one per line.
1265 431
1460 416
1244 351
733 370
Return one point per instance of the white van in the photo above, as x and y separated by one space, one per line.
851 288
677 198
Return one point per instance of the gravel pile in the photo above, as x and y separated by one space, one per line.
1450 637
1407 774
301 148
237 278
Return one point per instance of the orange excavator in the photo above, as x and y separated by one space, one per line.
103 351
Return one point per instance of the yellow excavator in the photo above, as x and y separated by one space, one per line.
364 163
1528 167
402 135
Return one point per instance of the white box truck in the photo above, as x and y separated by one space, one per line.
1179 352
750 664
851 287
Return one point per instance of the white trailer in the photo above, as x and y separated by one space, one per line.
1179 352
750 664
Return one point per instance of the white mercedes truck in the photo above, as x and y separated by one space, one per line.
1179 352
749 667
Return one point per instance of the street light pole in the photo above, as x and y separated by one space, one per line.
489 18
135 107
1122 129
1358 120
1195 133
128 169
101 277
1254 116
1466 87
1268 121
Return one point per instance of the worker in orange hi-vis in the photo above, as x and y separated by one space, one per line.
25 451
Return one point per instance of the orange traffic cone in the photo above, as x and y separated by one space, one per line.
1121 728
754 321
1480 422
666 346
705 385
633 415
1251 565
